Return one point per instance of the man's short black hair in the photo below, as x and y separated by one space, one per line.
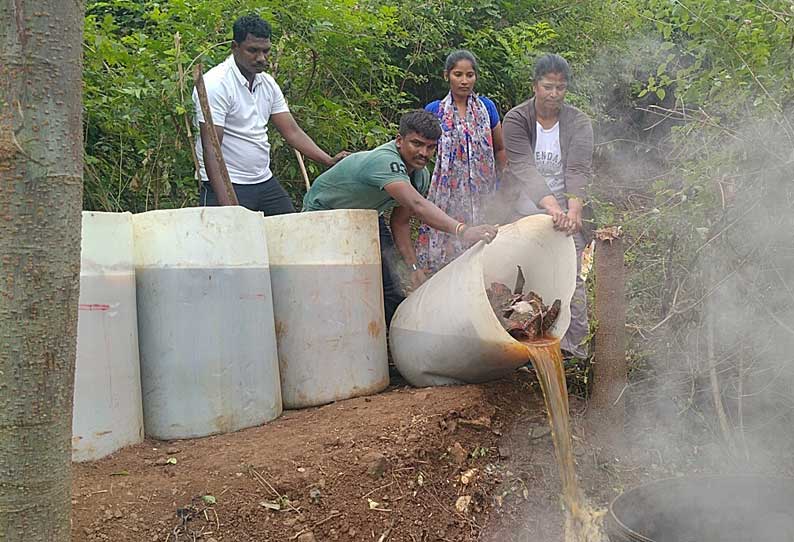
251 24
422 122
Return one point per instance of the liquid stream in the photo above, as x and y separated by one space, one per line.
583 523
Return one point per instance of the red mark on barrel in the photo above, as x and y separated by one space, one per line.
252 296
94 307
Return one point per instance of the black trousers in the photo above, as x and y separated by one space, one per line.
393 293
269 197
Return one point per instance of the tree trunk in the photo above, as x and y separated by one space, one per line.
41 167
609 363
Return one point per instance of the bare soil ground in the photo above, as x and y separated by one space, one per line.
438 464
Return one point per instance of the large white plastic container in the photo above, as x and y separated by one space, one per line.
446 331
328 298
205 322
107 411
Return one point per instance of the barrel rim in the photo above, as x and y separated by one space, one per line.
673 479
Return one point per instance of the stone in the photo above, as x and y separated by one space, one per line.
504 451
458 454
539 431
307 537
376 464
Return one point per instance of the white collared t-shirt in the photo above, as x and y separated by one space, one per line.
244 115
548 161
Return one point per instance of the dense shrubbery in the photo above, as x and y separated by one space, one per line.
347 67
708 213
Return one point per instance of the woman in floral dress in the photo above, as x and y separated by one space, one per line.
470 152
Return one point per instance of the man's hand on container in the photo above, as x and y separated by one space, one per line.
418 278
485 232
339 156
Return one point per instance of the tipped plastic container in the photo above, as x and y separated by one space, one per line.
446 331
107 412
205 322
328 298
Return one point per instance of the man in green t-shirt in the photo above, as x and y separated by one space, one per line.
393 176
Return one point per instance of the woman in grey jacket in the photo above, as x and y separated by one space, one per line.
550 153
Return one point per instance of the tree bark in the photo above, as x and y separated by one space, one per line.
41 167
609 363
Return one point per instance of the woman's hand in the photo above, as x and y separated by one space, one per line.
574 216
558 217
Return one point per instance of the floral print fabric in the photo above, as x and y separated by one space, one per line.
463 178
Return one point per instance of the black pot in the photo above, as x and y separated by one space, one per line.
705 509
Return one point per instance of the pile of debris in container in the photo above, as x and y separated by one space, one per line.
524 316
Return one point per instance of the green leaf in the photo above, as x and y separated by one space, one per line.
660 93
209 499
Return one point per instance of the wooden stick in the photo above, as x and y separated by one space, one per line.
299 156
609 366
198 80
185 115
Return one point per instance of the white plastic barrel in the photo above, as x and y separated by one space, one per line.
205 322
107 411
446 331
328 298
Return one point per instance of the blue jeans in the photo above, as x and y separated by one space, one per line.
393 293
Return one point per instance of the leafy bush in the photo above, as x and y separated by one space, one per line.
348 68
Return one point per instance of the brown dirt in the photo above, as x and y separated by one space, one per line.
386 467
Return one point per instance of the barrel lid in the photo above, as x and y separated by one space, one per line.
106 243
340 237
200 237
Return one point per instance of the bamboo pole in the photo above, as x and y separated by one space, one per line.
299 156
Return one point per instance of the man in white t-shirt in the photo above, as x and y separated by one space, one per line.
243 99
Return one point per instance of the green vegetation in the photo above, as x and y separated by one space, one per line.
347 68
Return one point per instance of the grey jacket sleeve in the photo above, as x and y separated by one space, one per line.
521 174
579 166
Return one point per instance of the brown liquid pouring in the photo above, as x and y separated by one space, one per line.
582 522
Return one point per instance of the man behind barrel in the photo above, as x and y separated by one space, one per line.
242 100
393 176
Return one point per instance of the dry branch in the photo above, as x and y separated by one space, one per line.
198 79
